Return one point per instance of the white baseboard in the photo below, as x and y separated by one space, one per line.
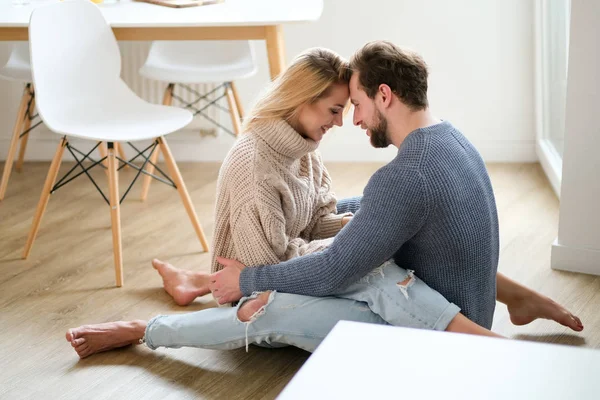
551 164
565 258
189 145
507 151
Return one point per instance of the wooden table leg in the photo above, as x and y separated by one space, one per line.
275 49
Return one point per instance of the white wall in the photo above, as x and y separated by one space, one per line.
480 55
577 247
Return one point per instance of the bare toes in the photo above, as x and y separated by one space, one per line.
70 335
578 323
156 263
82 348
162 267
78 342
570 321
84 353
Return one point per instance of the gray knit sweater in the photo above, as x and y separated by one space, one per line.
431 209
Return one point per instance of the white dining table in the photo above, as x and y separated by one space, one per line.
230 20
367 361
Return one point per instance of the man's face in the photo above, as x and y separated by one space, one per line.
368 116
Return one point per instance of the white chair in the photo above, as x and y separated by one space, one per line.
183 63
76 69
17 68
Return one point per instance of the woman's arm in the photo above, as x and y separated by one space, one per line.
258 230
326 222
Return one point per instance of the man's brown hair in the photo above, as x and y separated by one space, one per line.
404 71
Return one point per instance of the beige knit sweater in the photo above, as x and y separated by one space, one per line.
274 199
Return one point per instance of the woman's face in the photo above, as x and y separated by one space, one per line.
315 119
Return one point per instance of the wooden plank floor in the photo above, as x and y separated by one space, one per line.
69 280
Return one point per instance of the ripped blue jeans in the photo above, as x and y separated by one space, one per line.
389 295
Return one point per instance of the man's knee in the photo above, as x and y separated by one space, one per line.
252 307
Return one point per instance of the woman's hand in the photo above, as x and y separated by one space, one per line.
225 284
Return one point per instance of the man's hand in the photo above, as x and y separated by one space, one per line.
345 220
225 284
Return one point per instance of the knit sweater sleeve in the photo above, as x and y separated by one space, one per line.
325 222
394 207
259 231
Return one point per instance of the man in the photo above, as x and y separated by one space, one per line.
431 209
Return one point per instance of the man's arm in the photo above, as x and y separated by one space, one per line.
348 205
393 209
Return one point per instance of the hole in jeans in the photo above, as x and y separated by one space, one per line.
408 282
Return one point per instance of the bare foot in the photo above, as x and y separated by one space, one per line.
91 339
537 306
183 286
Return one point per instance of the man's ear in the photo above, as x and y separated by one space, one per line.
385 94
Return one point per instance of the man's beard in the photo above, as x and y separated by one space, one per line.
379 134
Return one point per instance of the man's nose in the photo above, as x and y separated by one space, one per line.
355 119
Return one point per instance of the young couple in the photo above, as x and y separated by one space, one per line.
419 249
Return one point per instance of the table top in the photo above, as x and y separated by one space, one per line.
131 14
365 361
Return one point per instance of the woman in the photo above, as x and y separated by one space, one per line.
274 203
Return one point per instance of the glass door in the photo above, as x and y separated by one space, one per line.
552 53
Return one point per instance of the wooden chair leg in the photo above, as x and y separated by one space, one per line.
25 138
147 178
14 141
238 102
103 153
167 101
121 153
41 208
233 110
115 213
183 193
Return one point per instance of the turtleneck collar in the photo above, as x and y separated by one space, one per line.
284 139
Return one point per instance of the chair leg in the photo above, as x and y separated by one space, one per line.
167 101
25 138
148 178
103 153
238 102
121 153
185 197
233 110
14 141
41 208
115 213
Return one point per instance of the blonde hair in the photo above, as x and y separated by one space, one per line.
308 78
